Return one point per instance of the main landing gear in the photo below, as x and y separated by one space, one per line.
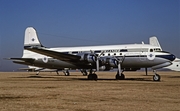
92 75
66 72
84 72
120 76
37 73
57 72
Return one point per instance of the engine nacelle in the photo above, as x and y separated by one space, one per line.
90 58
109 61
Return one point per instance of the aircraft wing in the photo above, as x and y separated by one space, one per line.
54 54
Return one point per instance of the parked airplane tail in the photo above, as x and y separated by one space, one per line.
31 38
154 41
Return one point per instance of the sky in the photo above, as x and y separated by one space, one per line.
87 22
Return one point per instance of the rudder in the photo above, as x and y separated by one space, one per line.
31 38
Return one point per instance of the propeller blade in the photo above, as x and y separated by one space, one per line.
119 68
97 64
97 58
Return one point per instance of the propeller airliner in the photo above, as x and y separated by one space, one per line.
126 57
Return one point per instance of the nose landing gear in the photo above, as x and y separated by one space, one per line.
156 76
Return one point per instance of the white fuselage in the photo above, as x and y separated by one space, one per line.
135 55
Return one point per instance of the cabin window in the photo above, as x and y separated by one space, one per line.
75 52
66 52
114 53
123 50
151 50
138 50
97 51
120 53
109 54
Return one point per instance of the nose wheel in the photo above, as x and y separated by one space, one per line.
156 77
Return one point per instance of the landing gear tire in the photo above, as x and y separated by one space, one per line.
122 77
156 77
84 73
37 73
66 73
92 77
57 73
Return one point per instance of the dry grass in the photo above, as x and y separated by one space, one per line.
28 92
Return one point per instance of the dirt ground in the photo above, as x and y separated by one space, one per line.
25 91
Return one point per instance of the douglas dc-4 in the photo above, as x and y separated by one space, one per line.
127 57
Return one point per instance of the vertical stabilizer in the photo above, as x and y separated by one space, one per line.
31 38
154 41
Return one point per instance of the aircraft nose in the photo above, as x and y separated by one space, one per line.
171 57
167 56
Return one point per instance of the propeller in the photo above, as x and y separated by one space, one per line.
97 58
119 61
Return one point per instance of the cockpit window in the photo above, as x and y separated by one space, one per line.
157 49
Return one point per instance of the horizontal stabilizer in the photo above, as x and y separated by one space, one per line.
21 59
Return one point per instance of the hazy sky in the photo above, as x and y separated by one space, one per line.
87 22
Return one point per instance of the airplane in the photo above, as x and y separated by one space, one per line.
175 66
125 57
39 69
153 41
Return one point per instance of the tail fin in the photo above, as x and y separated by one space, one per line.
31 38
154 41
